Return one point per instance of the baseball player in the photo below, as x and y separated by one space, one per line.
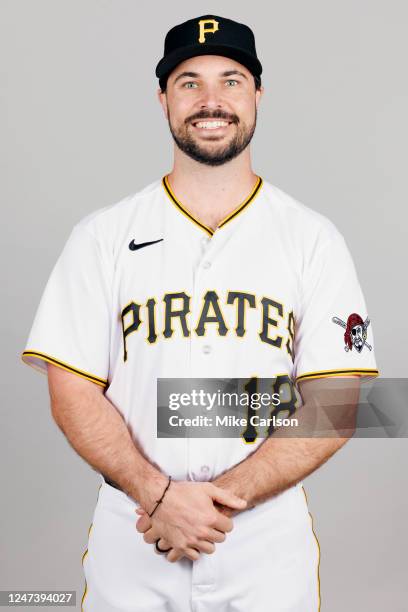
210 271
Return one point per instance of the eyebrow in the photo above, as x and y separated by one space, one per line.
196 74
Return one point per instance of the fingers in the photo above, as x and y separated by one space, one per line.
227 498
225 510
193 553
215 536
176 553
211 535
151 535
205 546
206 537
143 524
164 544
140 512
223 523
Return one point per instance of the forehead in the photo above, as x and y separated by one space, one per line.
209 66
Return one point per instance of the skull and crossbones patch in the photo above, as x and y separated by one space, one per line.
356 332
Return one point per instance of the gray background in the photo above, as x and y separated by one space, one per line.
81 128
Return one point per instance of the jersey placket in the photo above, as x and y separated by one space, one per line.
201 451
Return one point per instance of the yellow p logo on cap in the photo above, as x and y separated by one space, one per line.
206 30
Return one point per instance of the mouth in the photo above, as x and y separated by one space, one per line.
211 125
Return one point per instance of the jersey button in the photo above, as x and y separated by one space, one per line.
205 241
206 349
206 265
204 472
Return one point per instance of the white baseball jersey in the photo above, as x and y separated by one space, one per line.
144 290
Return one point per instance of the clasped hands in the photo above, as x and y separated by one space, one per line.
191 519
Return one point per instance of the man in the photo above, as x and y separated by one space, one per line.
211 272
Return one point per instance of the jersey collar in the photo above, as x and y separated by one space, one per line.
232 215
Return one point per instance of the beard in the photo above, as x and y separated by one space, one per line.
207 153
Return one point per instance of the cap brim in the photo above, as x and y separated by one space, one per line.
169 62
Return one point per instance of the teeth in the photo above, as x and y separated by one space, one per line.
211 125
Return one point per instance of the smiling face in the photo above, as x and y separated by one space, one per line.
211 107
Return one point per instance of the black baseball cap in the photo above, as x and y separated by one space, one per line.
208 35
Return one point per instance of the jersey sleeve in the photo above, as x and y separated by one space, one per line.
71 327
333 331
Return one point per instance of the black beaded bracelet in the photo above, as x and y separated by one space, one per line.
159 501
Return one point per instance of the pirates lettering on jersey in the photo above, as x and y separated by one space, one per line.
211 301
176 308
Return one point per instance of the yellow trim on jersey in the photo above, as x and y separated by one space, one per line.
167 188
234 213
318 547
324 373
245 203
61 364
86 585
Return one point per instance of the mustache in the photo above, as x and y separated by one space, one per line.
216 115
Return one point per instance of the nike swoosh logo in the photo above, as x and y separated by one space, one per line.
134 247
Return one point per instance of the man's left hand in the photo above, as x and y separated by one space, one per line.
145 524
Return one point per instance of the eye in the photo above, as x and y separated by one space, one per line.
189 83
232 81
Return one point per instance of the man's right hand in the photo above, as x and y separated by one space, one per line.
188 520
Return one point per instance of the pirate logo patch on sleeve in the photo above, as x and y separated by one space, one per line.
356 332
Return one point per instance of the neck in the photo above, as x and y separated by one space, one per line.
210 193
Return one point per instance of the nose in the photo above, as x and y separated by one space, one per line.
211 97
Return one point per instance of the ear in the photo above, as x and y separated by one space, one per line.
258 95
162 96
